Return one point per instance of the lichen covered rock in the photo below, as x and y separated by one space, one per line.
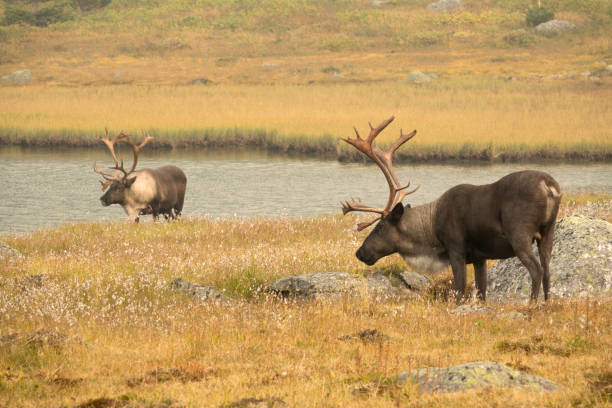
198 291
445 5
22 77
554 26
7 252
580 266
333 285
478 374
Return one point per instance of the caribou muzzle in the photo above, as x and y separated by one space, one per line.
367 259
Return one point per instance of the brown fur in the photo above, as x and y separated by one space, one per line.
470 224
149 191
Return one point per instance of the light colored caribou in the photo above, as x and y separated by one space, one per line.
146 191
467 224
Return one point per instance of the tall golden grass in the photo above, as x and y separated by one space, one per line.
102 327
450 116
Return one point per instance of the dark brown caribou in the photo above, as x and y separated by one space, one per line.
467 224
146 191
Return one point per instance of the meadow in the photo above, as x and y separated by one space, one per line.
468 119
295 76
88 319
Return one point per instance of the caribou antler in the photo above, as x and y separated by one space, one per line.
121 137
384 160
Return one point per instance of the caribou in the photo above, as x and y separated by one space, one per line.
468 224
147 191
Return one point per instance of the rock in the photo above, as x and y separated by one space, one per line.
31 282
198 291
22 77
554 26
580 266
378 3
478 374
334 285
39 338
512 315
7 252
200 81
256 403
269 64
445 5
417 77
366 336
415 281
470 309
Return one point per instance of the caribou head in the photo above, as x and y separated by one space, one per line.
385 237
118 182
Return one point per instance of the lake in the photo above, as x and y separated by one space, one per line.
43 187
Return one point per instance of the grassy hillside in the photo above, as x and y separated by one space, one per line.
295 75
174 42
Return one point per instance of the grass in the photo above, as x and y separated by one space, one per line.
88 319
456 119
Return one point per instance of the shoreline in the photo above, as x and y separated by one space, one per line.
328 148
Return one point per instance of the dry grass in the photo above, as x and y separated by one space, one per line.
456 117
102 327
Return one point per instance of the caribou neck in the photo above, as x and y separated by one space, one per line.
417 223
420 247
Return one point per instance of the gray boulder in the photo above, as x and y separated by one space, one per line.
580 266
198 291
417 77
415 281
334 285
7 252
445 5
22 77
554 27
470 309
478 374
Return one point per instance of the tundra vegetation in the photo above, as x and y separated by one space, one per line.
293 76
88 316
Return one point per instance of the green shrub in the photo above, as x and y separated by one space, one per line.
537 15
87 5
40 18
15 16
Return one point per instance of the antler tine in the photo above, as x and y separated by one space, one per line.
365 146
110 144
136 149
387 156
354 205
384 160
364 225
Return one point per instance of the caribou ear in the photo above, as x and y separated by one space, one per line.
129 182
396 213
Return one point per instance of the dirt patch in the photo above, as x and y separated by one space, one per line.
103 403
537 345
256 403
39 338
600 384
366 336
162 375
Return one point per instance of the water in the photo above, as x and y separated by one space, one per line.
41 188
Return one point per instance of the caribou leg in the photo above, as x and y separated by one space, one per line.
480 276
457 262
524 252
545 250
